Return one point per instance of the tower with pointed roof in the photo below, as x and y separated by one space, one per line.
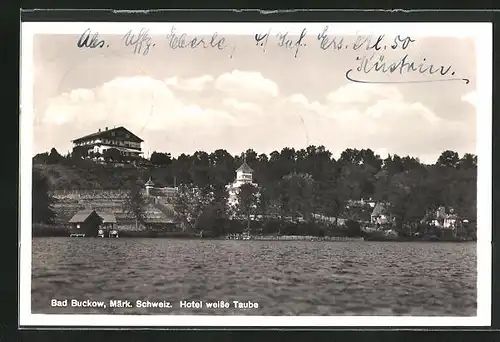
244 175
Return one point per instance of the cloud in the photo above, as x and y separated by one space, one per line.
246 83
301 100
239 105
356 93
470 98
241 110
142 104
190 84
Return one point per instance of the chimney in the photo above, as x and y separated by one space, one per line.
106 128
99 130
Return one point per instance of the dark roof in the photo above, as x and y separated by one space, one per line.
244 168
106 132
82 216
106 217
162 192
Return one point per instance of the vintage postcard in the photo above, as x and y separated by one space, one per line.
255 174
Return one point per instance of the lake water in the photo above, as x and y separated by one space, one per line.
282 277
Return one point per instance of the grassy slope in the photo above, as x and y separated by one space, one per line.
89 175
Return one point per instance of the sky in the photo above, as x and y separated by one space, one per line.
185 100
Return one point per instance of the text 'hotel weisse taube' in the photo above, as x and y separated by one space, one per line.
117 141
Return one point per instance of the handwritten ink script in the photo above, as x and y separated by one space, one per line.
377 45
283 39
327 42
377 63
373 60
140 42
90 40
182 41
363 42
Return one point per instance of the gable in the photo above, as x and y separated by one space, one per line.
122 133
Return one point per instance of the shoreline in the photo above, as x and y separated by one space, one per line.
270 239
48 231
283 238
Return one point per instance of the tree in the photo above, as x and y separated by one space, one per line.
293 183
41 158
160 159
189 203
393 165
247 201
468 161
264 200
299 188
135 203
353 228
112 154
410 163
332 193
449 159
42 210
222 165
212 219
79 152
350 155
369 158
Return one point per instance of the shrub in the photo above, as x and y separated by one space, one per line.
48 230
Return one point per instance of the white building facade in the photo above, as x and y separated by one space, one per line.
120 139
244 175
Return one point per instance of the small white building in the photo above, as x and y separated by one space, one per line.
244 175
164 192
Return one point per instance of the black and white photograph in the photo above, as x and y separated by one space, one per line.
255 174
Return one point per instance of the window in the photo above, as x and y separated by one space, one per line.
78 226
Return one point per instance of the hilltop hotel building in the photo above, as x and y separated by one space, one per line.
119 138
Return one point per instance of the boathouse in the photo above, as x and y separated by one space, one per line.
88 222
108 222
